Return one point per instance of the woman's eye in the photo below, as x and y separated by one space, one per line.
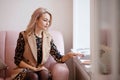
44 20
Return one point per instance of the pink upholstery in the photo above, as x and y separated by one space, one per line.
2 45
11 39
8 40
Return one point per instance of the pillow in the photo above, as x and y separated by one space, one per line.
2 65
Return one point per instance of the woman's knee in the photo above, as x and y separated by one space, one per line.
31 76
44 75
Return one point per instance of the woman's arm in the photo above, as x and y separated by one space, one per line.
18 59
25 65
61 58
70 55
55 53
19 50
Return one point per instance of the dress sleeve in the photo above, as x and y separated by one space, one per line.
55 53
19 50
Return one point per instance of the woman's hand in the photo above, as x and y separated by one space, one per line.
78 54
70 55
25 65
39 68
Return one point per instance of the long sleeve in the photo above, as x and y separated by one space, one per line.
55 53
19 50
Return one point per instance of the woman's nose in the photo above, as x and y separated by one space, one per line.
47 23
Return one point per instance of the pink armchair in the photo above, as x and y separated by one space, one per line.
8 41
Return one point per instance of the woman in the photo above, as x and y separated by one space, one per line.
34 45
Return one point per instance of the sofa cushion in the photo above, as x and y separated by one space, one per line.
11 41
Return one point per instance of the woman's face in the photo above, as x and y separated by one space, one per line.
44 21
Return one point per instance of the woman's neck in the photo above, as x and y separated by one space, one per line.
38 31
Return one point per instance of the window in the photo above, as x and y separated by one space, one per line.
81 25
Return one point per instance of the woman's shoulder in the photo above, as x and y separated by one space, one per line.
22 32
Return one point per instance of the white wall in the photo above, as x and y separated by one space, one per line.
15 15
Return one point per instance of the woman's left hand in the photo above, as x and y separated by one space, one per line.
78 54
71 54
41 68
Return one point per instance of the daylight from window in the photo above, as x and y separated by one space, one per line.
81 26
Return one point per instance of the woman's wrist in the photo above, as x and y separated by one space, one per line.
33 68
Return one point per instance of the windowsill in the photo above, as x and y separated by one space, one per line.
82 69
86 62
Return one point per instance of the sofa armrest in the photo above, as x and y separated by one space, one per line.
60 71
3 73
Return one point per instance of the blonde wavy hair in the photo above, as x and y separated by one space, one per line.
35 16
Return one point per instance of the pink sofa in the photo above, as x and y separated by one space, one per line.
8 41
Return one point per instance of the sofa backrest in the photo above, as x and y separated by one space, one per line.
10 44
2 45
58 39
8 41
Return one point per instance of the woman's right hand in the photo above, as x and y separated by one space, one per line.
39 68
34 69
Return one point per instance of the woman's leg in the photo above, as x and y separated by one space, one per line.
31 76
44 75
